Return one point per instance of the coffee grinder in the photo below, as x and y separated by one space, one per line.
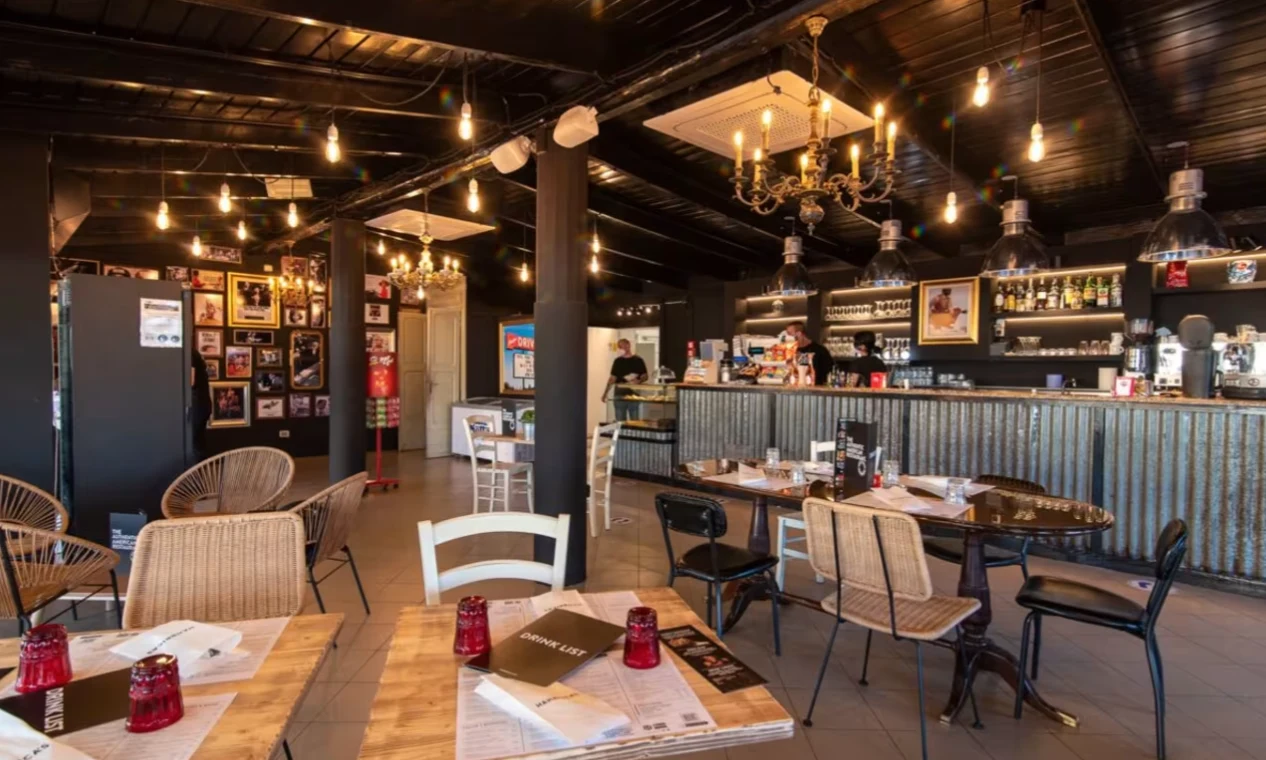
1138 355
1195 333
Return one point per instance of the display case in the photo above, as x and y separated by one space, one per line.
648 434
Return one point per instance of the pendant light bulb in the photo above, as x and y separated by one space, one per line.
164 221
466 127
1037 146
241 230
226 203
382 247
472 196
332 151
292 216
595 245
523 272
951 207
196 247
980 96
593 264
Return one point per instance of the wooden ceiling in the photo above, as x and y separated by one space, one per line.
169 98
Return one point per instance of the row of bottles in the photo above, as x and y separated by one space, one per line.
1075 293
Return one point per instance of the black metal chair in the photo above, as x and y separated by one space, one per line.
950 548
713 563
1072 600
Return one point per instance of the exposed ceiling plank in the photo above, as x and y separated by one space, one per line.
78 154
149 186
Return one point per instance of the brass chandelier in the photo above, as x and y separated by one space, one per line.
425 275
766 188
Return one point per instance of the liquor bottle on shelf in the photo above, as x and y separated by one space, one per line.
1041 296
1114 293
1089 293
1103 297
1066 302
1052 295
1030 297
1010 302
1078 303
1000 300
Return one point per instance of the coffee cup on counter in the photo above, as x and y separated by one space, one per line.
1054 381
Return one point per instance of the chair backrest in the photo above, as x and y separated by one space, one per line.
821 447
328 516
480 449
23 503
602 451
431 535
1012 484
1171 546
37 566
219 568
877 550
692 515
242 480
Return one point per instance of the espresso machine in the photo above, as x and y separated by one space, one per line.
1244 361
1169 360
1138 354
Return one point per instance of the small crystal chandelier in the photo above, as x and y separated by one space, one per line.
426 275
766 189
295 292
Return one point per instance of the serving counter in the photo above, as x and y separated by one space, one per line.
1146 460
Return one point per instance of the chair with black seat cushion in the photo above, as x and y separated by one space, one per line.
1083 603
950 548
713 563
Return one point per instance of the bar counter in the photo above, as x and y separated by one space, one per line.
1147 460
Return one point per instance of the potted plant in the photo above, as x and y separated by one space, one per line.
528 424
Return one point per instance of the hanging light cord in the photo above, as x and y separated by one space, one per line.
953 136
1038 115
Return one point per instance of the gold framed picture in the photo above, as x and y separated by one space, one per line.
253 301
307 360
230 403
948 311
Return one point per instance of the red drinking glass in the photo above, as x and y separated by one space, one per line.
154 694
472 626
641 639
44 659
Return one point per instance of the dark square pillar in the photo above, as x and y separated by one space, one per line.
345 360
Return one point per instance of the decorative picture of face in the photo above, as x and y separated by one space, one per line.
270 408
213 369
254 304
300 404
296 316
307 360
253 337
237 362
206 279
138 273
323 406
947 313
222 255
178 274
270 381
209 342
377 314
268 357
377 286
208 309
316 312
294 266
317 271
380 340
230 404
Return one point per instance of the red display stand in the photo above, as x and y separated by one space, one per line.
382 410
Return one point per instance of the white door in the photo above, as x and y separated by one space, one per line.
411 358
445 344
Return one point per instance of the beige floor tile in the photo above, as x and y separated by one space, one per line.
944 743
329 741
1030 745
371 636
371 671
871 745
342 663
350 705
795 748
836 710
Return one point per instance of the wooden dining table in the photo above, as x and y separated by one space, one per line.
414 715
255 723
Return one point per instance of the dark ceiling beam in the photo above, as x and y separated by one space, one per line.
189 208
105 63
548 35
79 154
614 260
1088 19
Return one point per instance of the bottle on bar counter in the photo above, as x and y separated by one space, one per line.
1103 297
1066 302
1000 300
1041 296
1114 298
1089 293
1030 297
1010 302
1052 295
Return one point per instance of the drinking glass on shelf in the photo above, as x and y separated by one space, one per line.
772 458
1083 348
956 491
892 473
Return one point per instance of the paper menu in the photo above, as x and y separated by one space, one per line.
901 500
111 741
937 484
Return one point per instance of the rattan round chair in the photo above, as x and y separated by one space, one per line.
251 479
23 503
327 522
39 566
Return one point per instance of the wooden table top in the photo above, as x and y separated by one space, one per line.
256 721
414 715
499 438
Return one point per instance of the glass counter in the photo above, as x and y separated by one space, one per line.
648 406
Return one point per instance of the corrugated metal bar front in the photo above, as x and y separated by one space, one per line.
969 438
1204 467
649 452
714 423
803 417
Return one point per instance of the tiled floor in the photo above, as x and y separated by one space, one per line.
1213 644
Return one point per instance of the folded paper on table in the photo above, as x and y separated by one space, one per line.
18 741
575 716
901 500
937 484
195 645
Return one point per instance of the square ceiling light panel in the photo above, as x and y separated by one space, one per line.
409 222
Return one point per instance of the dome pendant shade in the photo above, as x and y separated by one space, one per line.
791 279
1016 253
889 268
1187 232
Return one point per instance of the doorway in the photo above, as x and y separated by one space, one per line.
411 360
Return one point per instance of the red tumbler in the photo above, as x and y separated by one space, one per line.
641 639
471 636
154 694
44 659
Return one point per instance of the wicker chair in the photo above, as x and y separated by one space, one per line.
251 479
216 569
875 559
327 521
39 566
23 503
950 548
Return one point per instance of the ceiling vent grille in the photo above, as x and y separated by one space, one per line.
284 188
409 222
711 123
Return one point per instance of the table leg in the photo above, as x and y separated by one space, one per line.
981 654
745 592
758 531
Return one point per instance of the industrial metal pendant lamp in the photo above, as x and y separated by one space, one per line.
889 267
1016 253
1187 232
792 278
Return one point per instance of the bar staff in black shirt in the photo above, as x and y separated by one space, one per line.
821 358
860 369
628 367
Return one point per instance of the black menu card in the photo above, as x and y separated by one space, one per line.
854 455
78 705
549 648
709 659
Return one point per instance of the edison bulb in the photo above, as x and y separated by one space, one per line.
472 196
164 221
196 247
951 207
226 203
1037 146
332 151
292 216
980 95
241 230
456 265
523 272
593 265
595 245
382 248
465 127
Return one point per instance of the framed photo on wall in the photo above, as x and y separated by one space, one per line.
318 271
294 266
377 314
380 340
208 309
316 312
948 311
139 273
270 408
270 381
213 368
300 405
59 267
268 356
307 360
377 286
206 279
230 404
178 274
410 297
253 337
518 357
237 362
209 342
322 404
296 316
254 302
222 254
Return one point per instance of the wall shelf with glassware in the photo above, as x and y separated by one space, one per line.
1100 358
1041 314
868 324
1224 287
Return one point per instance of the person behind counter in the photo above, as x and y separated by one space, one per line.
821 358
628 367
867 362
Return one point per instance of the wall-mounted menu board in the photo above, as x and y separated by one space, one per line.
518 357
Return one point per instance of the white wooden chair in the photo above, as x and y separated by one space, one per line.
494 482
601 463
431 535
797 523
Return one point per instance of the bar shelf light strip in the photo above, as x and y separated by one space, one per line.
1057 273
864 290
1056 318
863 325
788 318
769 298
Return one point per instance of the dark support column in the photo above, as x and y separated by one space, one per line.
26 405
345 360
562 318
